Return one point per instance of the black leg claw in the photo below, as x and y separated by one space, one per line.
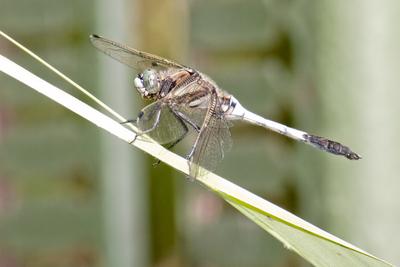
155 164
134 139
129 121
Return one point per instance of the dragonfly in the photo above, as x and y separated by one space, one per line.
183 98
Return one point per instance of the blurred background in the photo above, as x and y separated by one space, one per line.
71 195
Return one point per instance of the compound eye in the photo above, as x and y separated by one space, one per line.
150 81
138 82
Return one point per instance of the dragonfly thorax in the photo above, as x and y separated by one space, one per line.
147 83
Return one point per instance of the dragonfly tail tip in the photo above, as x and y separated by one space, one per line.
331 146
353 156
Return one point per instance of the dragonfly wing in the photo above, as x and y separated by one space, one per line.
132 57
166 126
192 116
192 101
213 141
198 102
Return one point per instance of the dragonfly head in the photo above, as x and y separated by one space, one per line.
147 83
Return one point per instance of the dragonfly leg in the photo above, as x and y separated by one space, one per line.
189 158
155 124
177 140
182 136
190 155
187 120
129 121
180 116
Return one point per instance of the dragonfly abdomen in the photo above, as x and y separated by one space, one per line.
331 146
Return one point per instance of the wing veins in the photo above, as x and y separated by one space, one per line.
128 55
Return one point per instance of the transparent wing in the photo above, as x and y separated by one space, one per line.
167 126
192 102
198 102
134 58
194 87
213 141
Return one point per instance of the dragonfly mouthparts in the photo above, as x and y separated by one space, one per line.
331 146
